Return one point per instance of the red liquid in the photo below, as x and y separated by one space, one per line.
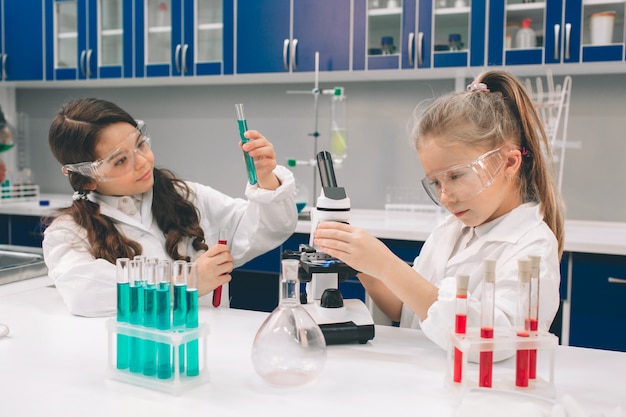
217 293
532 364
522 364
486 360
460 325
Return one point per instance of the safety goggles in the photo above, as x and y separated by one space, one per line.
466 180
119 162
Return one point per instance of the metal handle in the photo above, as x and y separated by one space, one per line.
620 281
420 44
411 42
88 63
294 48
82 62
568 31
4 66
285 50
184 58
176 57
557 31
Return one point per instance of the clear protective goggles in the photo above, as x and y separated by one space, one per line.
119 162
466 180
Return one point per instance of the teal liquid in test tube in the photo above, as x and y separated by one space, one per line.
180 305
150 316
243 127
123 311
164 318
136 312
193 366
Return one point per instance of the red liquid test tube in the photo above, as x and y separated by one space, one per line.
535 261
485 370
522 357
217 293
460 323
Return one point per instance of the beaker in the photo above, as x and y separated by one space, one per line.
289 348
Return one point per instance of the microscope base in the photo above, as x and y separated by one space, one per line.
348 324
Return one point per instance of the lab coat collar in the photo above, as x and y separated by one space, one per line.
109 207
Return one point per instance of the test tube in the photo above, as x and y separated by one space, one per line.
535 261
164 320
193 366
179 273
242 123
123 311
136 312
460 322
487 321
217 293
150 316
523 302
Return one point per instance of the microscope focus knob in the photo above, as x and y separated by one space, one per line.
331 298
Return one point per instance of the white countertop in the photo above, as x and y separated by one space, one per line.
54 364
580 235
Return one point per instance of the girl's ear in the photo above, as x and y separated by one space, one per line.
513 162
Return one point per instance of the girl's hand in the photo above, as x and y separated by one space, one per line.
354 246
262 151
214 268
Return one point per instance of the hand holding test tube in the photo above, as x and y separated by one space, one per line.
217 293
243 127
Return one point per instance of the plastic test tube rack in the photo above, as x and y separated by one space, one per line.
504 344
178 382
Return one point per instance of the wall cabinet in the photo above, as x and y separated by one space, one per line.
21 230
21 34
274 37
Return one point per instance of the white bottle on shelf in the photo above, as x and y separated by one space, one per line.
525 37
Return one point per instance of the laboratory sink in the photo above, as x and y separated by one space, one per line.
18 263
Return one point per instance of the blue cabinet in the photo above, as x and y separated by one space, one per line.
274 37
21 230
598 300
184 37
21 40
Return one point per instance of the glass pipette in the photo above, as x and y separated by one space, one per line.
243 127
486 321
460 322
523 301
535 261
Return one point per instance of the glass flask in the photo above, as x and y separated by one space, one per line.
289 348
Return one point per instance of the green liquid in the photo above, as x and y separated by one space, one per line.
164 351
123 342
136 317
193 366
243 127
180 319
149 320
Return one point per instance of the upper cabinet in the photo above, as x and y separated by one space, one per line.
21 34
408 34
88 39
184 37
555 32
284 35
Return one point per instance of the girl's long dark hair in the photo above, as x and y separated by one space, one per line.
73 136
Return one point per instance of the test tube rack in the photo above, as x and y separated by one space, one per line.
504 346
178 382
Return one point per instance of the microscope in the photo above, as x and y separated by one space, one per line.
341 321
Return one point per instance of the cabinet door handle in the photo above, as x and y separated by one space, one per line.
82 62
420 44
88 63
177 57
568 31
294 49
411 43
183 57
620 281
285 50
4 66
557 30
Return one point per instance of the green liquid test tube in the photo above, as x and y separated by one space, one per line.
164 320
123 311
136 313
180 306
243 127
149 317
193 366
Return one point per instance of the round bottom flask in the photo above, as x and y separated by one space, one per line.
289 348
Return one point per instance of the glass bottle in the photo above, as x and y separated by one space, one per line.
289 348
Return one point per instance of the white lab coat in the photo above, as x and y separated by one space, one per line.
256 225
518 234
